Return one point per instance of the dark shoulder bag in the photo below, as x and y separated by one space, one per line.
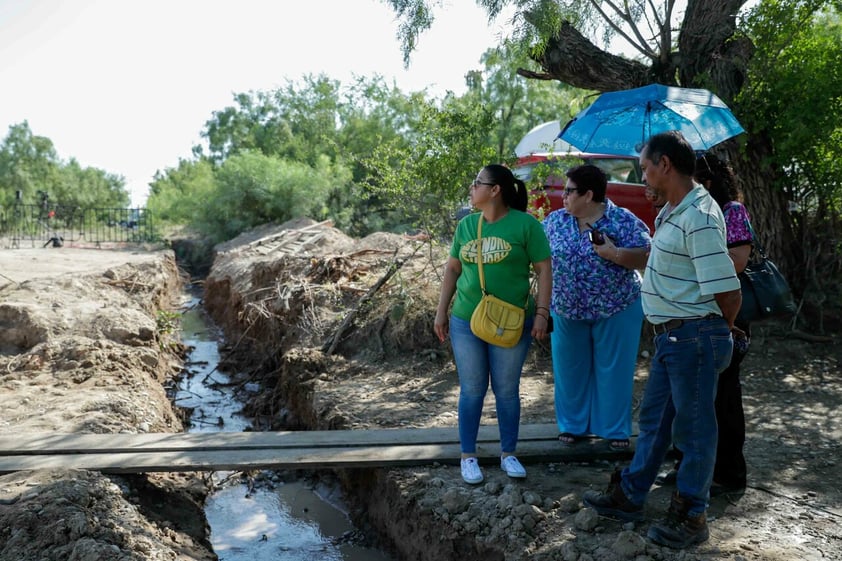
766 294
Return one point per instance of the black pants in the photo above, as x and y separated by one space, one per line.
730 468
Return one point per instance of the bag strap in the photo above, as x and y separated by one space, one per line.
479 264
755 242
479 255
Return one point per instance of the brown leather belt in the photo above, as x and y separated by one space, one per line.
676 323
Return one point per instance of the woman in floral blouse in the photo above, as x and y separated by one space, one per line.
597 248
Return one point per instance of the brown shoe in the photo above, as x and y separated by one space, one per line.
613 502
679 529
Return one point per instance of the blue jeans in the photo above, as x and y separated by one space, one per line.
477 363
678 405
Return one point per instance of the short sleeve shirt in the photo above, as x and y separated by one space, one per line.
738 229
509 246
689 261
586 286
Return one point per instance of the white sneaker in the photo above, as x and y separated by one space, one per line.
512 467
471 472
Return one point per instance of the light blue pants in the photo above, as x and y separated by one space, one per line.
593 368
479 363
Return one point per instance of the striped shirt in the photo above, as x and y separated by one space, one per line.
689 261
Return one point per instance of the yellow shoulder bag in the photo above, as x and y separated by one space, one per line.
494 320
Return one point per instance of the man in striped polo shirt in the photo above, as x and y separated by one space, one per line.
691 296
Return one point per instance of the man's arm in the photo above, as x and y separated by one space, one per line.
729 302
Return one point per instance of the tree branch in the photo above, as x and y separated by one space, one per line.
641 45
571 58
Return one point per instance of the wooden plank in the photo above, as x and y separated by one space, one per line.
89 443
302 458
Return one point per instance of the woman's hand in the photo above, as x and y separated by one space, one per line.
452 270
544 271
441 326
607 250
539 326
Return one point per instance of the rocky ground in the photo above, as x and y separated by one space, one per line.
338 332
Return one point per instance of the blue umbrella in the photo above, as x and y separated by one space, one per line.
620 122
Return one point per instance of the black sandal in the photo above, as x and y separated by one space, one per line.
619 444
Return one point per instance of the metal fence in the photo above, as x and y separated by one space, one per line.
48 225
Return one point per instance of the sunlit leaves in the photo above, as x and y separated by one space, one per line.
29 164
426 180
251 189
794 95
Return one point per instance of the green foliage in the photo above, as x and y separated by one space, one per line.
29 164
519 104
166 322
375 159
794 96
316 123
647 27
794 100
253 189
247 190
416 16
426 181
175 194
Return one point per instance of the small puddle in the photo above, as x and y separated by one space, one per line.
276 520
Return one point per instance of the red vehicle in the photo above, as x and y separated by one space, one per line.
551 157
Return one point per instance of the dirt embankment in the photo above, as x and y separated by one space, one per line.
82 349
85 352
283 296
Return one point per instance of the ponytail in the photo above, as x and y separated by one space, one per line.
512 189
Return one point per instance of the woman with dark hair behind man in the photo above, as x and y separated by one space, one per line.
513 243
729 475
596 305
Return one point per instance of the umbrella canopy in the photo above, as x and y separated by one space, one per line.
620 122
543 139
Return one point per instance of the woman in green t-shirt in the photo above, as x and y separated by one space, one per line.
512 240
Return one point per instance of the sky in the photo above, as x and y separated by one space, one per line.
126 86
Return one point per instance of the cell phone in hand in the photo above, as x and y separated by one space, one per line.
595 236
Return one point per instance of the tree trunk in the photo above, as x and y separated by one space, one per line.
709 56
769 209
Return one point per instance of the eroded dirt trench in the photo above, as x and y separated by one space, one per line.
84 347
89 344
336 332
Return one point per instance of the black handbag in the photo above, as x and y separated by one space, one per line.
766 294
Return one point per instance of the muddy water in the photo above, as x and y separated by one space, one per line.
282 521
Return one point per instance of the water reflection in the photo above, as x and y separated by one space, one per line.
268 530
206 390
270 522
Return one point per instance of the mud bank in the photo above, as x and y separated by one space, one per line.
338 333
85 347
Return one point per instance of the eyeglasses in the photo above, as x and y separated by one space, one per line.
476 182
569 191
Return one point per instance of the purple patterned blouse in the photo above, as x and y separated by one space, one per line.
586 286
737 224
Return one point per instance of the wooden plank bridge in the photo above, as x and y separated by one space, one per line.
196 451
